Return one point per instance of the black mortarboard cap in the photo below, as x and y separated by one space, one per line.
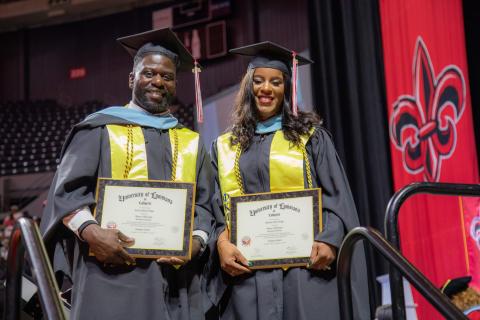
162 41
270 55
453 286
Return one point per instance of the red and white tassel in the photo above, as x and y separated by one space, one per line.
294 83
198 93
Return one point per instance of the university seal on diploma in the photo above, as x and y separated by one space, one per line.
276 230
157 214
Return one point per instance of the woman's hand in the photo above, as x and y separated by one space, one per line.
196 247
323 254
231 260
171 261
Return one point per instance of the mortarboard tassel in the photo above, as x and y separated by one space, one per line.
198 92
294 84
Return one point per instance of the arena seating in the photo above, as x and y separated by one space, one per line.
32 133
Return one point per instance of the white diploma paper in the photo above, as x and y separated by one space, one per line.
275 229
154 217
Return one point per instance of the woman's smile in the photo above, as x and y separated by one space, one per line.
269 90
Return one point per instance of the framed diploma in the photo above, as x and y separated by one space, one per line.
276 230
157 214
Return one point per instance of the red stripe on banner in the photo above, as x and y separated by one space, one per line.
431 133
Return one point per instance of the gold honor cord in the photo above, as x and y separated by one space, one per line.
303 147
127 152
184 143
174 144
238 175
307 167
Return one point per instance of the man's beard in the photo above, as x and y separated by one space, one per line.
151 106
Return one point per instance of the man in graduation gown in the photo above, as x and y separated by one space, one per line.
139 141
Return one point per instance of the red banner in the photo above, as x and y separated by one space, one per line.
431 132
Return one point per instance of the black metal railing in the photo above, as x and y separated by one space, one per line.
425 287
26 237
391 227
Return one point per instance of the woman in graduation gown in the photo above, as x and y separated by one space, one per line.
260 154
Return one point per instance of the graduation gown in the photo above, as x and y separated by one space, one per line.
297 293
147 290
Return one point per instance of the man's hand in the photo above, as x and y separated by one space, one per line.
323 254
108 245
231 260
196 246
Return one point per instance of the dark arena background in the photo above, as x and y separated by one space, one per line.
382 69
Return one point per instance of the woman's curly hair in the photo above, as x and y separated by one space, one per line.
245 114
466 299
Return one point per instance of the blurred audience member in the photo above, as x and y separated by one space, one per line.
463 297
4 239
12 216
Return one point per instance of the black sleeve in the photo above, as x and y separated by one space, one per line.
74 183
339 210
213 280
204 220
73 187
217 199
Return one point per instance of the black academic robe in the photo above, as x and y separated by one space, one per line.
297 293
147 290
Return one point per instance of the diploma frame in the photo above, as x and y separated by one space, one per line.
284 263
155 253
